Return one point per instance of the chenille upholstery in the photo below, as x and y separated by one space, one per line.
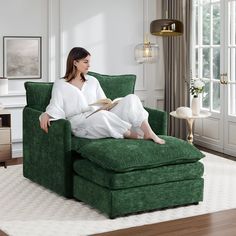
138 154
116 176
140 177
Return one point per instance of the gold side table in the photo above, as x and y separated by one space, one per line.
190 120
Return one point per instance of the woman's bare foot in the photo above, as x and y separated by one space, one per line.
155 138
130 134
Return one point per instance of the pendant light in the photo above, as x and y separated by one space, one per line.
146 52
166 27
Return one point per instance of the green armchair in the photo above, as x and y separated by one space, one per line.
116 176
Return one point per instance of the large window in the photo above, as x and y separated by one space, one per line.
232 56
214 59
207 45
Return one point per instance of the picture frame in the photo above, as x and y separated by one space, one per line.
22 57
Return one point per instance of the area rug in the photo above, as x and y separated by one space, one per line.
29 209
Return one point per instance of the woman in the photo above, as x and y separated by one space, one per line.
72 95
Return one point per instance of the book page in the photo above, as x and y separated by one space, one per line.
105 104
101 102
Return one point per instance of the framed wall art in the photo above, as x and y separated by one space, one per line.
22 57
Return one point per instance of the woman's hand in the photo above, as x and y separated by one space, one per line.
44 122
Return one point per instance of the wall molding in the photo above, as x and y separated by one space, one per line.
54 39
14 94
17 153
17 140
13 106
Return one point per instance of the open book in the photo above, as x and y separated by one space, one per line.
104 104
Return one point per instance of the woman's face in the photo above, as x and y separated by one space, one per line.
83 65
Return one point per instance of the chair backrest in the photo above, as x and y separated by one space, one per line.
38 94
116 86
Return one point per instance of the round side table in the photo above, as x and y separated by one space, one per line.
190 120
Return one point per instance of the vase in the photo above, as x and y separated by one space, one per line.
195 106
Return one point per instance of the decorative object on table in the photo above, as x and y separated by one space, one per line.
3 86
190 121
197 87
184 112
22 57
195 105
166 27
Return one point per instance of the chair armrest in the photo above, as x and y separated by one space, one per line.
157 120
47 157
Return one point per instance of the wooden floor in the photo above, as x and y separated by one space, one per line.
221 223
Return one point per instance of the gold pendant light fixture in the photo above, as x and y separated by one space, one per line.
146 52
166 27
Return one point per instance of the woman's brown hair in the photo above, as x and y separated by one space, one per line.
75 54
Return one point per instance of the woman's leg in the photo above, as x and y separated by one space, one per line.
131 134
102 124
149 133
130 109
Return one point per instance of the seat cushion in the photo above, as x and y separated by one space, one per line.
123 155
135 178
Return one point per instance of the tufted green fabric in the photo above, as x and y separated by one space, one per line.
47 157
119 202
139 154
38 94
116 86
157 120
77 143
116 180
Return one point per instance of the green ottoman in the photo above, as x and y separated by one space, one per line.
140 176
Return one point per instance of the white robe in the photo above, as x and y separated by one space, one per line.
69 102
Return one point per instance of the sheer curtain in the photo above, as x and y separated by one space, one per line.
177 61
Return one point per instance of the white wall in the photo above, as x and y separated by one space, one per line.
21 18
108 29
